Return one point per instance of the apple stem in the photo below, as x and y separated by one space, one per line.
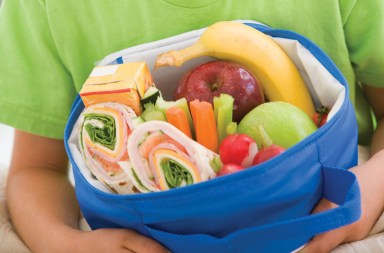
214 87
265 139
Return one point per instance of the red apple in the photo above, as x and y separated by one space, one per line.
210 79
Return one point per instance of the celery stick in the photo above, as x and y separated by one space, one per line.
216 163
223 108
182 103
231 128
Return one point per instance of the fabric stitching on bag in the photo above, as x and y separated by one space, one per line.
343 114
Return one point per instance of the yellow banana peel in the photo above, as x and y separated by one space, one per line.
234 41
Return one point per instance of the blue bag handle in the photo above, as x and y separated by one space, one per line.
340 187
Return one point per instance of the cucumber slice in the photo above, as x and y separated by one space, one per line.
137 121
152 113
150 95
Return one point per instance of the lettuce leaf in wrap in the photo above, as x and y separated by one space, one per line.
103 135
162 158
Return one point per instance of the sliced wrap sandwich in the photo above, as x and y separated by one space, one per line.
103 135
162 157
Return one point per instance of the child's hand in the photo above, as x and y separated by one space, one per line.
370 176
116 241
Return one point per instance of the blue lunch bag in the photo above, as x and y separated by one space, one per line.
265 208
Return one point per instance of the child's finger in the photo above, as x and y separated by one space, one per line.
324 242
327 241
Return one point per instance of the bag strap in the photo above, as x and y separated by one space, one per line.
340 187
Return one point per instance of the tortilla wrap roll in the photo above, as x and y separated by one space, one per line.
103 135
162 157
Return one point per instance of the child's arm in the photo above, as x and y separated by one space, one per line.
371 181
376 100
43 206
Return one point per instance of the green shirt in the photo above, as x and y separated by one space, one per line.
49 47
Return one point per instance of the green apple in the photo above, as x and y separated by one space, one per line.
284 123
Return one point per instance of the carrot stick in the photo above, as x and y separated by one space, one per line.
205 124
177 117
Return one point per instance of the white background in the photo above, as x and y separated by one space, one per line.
6 143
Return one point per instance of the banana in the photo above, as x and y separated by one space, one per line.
230 40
